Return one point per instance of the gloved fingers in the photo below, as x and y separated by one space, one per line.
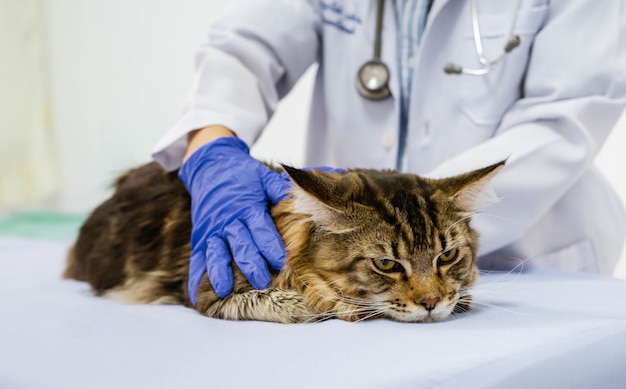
275 185
218 266
266 237
247 255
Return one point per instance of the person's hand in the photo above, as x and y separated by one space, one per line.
230 217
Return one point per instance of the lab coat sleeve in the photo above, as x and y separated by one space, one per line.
254 54
574 92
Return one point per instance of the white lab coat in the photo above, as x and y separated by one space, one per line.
548 107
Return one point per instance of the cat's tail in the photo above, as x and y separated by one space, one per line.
72 269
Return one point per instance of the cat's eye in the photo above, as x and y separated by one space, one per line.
449 256
387 265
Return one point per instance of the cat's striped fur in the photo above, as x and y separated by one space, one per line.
361 244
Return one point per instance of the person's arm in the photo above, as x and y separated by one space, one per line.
200 137
230 192
573 93
254 53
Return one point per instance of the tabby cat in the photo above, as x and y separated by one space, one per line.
361 244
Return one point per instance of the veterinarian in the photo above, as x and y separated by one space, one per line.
434 88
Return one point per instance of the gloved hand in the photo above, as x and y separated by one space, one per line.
229 211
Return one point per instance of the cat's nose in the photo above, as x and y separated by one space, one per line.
430 303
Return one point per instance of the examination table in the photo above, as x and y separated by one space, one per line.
534 329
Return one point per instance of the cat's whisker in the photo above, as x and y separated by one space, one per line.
483 305
517 269
368 312
320 317
503 281
339 298
357 301
508 219
468 216
322 296
343 298
372 315
461 310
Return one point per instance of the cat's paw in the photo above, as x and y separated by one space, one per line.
291 307
273 305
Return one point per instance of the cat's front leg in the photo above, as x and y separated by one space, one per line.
273 305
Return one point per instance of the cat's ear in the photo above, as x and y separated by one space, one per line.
471 190
320 195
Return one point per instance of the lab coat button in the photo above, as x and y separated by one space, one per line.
388 140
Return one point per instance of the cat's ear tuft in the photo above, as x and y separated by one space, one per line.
315 193
310 181
471 190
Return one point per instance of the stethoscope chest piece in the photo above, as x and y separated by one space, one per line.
372 80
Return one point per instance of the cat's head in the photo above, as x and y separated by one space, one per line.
387 244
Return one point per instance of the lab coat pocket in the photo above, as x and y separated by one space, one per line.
579 256
484 99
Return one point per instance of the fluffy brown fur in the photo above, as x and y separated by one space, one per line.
361 244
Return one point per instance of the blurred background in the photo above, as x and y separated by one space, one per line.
89 86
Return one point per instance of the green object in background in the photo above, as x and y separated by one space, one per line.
41 225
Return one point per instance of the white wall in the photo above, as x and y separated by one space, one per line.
27 171
118 73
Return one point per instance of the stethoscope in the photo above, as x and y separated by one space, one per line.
372 79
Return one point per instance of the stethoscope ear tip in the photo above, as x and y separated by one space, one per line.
453 69
512 43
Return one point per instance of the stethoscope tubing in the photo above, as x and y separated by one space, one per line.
375 66
511 42
382 91
379 28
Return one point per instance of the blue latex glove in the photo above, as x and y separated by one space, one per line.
229 211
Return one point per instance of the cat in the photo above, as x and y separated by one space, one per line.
362 244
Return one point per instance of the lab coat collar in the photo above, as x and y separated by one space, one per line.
436 8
